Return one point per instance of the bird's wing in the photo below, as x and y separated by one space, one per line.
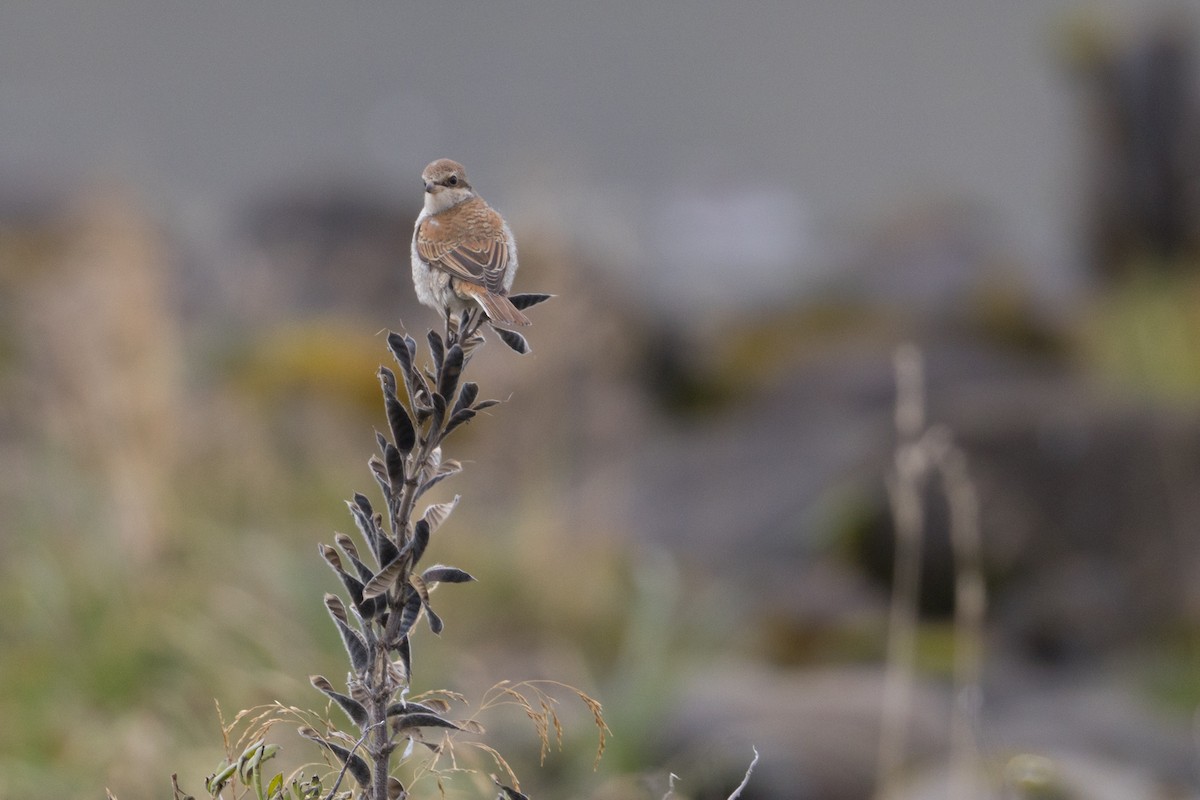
482 260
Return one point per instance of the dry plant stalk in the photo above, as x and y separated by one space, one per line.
737 792
924 452
904 493
388 595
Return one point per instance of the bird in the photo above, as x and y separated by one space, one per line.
464 255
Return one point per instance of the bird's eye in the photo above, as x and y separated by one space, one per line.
452 180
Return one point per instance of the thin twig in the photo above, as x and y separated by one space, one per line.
346 764
745 778
970 607
904 494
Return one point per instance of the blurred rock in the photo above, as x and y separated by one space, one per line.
1074 481
322 248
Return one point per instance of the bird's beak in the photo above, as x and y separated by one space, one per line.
429 187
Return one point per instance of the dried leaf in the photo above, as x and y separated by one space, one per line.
354 709
370 609
401 425
379 472
466 397
355 764
331 557
507 792
362 502
394 466
356 646
449 371
437 349
404 350
439 409
435 622
410 610
409 721
514 340
527 299
420 587
420 540
387 380
436 514
347 545
384 580
436 707
364 524
353 586
451 467
458 418
429 484
436 626
387 550
401 351
482 404
334 604
403 649
443 574
419 397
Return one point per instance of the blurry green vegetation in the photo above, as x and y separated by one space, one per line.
1171 674
1145 333
111 666
330 359
113 661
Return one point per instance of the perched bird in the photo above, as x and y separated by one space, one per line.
463 254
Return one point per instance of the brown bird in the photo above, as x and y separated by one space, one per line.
463 253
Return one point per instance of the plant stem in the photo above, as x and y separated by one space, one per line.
381 751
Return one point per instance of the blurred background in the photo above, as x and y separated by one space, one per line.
744 208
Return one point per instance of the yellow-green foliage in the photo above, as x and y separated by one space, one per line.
1146 335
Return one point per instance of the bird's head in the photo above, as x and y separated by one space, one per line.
445 185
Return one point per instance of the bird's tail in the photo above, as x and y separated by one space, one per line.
499 309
